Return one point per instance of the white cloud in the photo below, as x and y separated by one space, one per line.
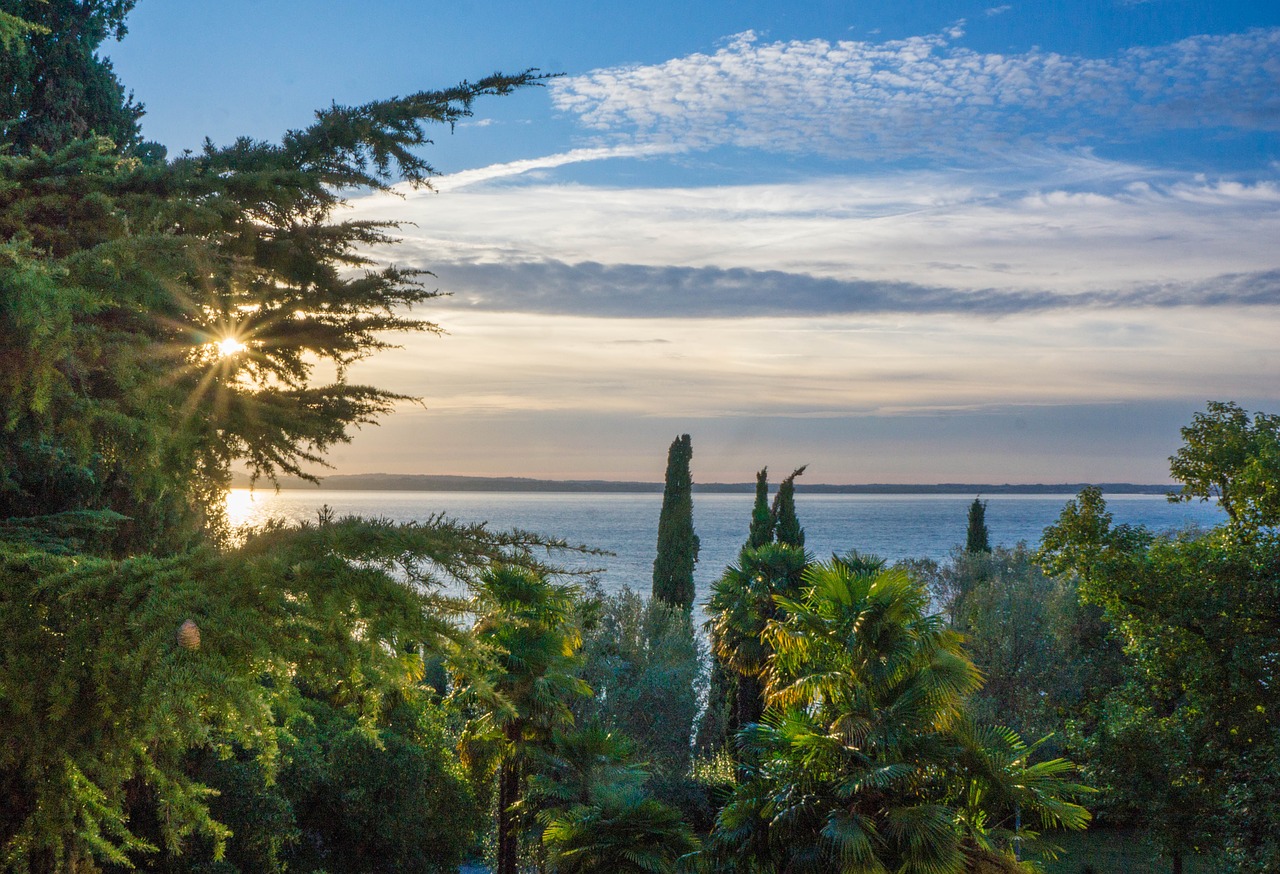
549 162
925 95
1086 227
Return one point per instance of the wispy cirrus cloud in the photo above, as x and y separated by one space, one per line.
926 95
549 162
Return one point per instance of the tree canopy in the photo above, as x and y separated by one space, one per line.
164 320
161 321
54 86
1229 456
1185 740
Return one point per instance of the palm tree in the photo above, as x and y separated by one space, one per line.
866 760
741 604
585 766
595 814
523 682
624 836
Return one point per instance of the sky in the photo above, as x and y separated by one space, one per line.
938 242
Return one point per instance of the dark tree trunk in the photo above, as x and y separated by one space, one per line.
1177 862
508 794
750 703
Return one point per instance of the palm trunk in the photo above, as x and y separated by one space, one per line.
508 794
750 700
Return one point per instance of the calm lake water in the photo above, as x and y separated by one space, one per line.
891 526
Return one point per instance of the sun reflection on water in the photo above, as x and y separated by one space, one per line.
244 506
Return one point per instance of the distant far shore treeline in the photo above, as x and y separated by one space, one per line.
448 483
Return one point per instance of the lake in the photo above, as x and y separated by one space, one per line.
891 526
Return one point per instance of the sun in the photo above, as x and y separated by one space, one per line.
229 346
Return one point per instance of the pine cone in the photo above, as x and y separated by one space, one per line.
189 635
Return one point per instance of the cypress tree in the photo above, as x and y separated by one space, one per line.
978 539
786 524
761 519
677 542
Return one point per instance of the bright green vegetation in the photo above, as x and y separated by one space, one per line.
866 757
1148 658
176 697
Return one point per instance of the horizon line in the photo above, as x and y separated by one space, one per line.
464 482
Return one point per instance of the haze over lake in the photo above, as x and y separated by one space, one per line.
892 526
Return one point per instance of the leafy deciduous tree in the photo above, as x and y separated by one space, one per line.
1188 733
1227 455
643 659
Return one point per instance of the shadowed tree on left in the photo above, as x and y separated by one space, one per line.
123 276
161 321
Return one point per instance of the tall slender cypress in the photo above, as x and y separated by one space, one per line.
978 539
677 542
786 525
761 519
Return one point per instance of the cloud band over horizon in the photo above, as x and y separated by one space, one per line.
646 291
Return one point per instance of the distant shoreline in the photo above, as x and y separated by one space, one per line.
383 482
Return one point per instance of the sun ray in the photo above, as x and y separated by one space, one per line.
229 346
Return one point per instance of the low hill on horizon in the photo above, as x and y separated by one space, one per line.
452 483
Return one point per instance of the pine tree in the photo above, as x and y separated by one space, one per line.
54 87
677 542
121 276
977 539
120 419
786 524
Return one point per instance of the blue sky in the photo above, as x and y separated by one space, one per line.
935 242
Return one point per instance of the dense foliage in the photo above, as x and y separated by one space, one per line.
644 661
523 689
54 87
106 702
168 699
866 759
122 274
355 695
1229 456
1188 731
742 601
